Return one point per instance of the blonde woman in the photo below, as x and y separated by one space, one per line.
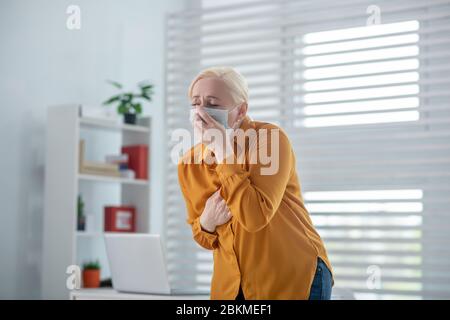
263 240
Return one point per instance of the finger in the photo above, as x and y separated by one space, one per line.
210 121
202 129
226 216
200 122
223 202
224 213
216 196
221 206
227 211
204 115
199 119
199 128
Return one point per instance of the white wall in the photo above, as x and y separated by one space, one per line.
43 63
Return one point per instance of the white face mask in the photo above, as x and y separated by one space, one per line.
220 115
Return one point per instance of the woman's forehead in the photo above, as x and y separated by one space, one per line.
209 87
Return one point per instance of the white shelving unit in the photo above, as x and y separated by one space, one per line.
88 177
63 244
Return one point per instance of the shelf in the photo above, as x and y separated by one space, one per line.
89 177
109 124
96 234
63 244
89 234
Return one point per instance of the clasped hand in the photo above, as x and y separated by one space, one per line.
216 212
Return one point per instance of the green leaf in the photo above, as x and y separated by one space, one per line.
122 108
113 99
137 108
127 100
92 265
115 84
146 97
147 93
146 87
145 84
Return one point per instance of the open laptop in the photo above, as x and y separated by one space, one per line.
137 264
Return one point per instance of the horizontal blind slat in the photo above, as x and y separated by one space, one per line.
404 155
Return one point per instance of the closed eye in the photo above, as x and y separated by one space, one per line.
208 105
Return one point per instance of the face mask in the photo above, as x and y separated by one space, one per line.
220 115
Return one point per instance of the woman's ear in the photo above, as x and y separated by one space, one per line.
243 109
240 116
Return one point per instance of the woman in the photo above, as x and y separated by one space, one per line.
265 245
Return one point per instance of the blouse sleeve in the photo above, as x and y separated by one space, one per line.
205 239
254 195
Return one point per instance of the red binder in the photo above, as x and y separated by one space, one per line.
137 159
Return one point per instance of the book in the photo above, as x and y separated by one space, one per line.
137 159
96 168
100 173
117 158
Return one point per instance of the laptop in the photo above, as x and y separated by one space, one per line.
137 265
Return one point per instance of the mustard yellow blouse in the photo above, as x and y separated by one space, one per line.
269 246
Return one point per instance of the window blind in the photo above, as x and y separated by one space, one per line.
367 110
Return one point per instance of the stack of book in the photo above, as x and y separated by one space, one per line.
121 160
137 159
96 168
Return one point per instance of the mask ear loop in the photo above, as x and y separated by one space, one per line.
238 122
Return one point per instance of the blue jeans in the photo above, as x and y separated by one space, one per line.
322 283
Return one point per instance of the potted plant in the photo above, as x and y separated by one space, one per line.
91 274
127 104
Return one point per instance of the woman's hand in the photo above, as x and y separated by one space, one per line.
216 212
221 145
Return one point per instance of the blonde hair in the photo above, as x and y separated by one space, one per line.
235 82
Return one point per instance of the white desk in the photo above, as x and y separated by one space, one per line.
111 294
